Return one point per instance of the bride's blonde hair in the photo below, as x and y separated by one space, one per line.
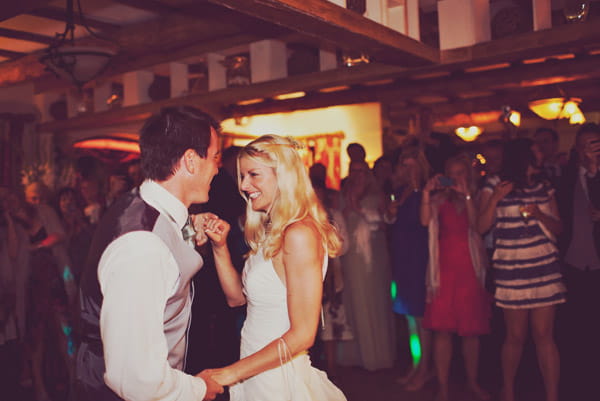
295 200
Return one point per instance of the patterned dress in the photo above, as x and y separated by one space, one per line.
526 266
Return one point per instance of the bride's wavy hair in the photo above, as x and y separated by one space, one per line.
295 200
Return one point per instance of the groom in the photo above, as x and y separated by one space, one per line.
135 290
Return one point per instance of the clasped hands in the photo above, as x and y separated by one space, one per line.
216 379
209 226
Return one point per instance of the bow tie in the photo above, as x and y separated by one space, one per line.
188 231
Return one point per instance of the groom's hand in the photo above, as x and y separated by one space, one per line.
215 228
212 387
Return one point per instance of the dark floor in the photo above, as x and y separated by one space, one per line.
361 385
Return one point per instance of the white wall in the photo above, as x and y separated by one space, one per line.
360 123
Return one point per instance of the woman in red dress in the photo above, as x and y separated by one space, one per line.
457 301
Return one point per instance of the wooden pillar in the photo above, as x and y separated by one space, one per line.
377 11
327 59
397 18
542 14
268 60
412 19
217 73
463 22
135 87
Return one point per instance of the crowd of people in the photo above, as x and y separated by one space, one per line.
436 240
508 228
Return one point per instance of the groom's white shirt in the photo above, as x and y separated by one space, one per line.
138 274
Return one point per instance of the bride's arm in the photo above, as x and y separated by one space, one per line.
229 278
303 260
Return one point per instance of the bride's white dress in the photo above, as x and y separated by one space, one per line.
267 320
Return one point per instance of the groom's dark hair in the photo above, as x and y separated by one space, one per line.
166 136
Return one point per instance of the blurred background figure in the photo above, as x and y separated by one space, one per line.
367 274
78 230
14 274
318 177
527 271
553 161
335 324
93 202
383 171
579 203
409 254
53 290
457 301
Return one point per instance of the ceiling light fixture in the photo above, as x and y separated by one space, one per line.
557 108
468 134
78 64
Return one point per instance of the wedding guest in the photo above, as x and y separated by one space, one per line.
382 172
92 198
553 161
52 284
579 202
335 324
78 231
457 301
367 274
409 254
526 266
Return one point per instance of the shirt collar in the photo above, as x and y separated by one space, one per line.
164 201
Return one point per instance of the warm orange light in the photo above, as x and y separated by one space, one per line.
292 95
468 134
553 108
334 89
250 101
111 144
515 118
577 118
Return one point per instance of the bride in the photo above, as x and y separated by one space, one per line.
290 239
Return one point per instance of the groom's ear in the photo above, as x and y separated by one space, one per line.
188 161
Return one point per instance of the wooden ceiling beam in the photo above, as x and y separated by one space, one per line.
216 99
28 36
11 9
142 45
339 26
520 79
547 75
568 38
59 14
10 54
517 99
152 6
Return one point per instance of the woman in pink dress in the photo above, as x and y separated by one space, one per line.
457 301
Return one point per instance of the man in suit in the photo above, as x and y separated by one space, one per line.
579 203
136 295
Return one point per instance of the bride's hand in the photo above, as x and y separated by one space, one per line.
224 376
210 225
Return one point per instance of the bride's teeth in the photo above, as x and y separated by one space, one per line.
254 195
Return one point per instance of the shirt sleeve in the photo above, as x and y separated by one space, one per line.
137 275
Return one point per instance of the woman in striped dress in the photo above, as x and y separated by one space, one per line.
526 267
